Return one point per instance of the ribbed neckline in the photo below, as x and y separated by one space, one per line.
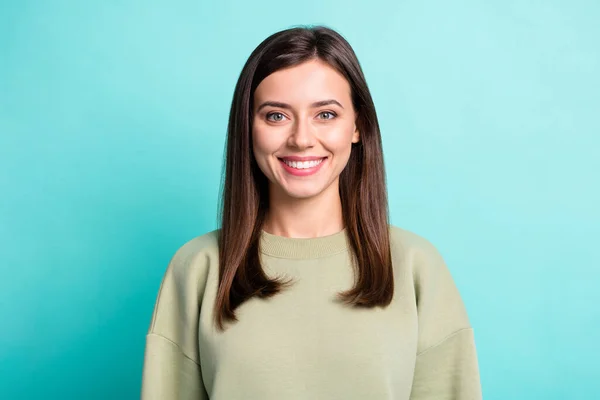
303 248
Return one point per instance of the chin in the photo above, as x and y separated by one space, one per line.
301 193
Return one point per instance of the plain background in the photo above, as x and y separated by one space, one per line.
112 125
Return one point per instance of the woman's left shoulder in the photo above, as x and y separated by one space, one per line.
417 254
402 239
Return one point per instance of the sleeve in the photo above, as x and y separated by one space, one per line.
171 367
446 367
448 371
169 373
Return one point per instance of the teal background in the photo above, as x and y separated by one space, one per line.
112 125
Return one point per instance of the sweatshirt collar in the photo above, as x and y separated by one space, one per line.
303 248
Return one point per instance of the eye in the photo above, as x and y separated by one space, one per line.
278 117
328 115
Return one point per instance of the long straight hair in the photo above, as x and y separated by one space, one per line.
244 190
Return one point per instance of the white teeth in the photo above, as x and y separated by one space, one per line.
303 164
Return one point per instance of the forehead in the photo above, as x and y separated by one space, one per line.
304 83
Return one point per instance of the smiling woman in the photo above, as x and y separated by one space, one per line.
322 297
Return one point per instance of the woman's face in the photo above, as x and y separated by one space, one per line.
303 129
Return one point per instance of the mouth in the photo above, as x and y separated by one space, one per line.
300 167
302 164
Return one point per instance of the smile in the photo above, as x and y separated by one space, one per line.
302 168
303 164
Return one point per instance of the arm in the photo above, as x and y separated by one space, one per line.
172 361
449 370
169 373
446 366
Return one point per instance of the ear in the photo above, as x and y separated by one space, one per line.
355 135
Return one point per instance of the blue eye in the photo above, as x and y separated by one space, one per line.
332 115
278 119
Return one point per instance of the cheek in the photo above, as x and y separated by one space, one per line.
339 140
264 140
262 148
259 142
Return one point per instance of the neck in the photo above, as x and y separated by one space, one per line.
312 217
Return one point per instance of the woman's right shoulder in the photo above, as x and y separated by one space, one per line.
199 252
192 268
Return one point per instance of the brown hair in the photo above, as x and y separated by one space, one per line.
244 191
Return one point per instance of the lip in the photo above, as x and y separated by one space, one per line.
302 172
298 158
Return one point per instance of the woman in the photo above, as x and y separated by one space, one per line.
306 291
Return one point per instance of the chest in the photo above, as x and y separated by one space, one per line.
304 338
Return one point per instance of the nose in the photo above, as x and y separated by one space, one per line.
301 136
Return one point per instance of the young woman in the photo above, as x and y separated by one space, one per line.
306 291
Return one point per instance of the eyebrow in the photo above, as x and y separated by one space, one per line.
288 107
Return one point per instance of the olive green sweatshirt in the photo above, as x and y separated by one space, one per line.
301 343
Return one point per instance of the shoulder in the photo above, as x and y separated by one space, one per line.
205 243
413 245
418 257
436 293
181 293
195 255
